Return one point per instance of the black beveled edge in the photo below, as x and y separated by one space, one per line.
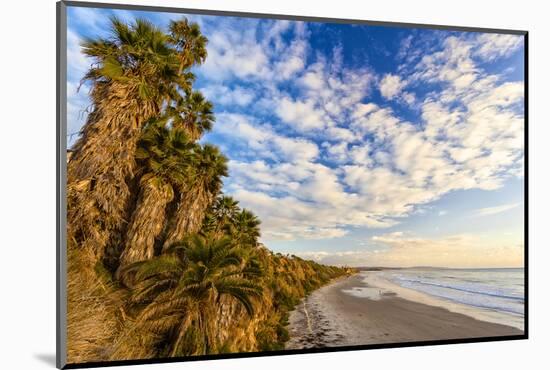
292 352
61 171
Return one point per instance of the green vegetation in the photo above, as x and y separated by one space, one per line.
161 263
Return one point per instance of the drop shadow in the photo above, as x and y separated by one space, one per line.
47 358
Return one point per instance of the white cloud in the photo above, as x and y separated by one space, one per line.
262 141
359 155
295 149
303 115
77 96
77 63
405 46
453 65
409 98
476 146
94 21
259 52
298 199
226 96
489 211
235 55
493 46
341 134
471 136
461 250
288 68
404 250
313 80
337 153
391 85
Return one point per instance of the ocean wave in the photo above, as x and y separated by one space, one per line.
493 306
502 308
461 288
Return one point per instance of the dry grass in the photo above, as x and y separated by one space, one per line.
94 313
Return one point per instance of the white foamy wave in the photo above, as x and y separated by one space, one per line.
495 289
466 287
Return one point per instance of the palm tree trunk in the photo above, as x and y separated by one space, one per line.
180 333
188 215
147 221
102 167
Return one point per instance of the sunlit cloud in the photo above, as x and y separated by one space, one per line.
403 250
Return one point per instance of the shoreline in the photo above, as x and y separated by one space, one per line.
330 317
481 314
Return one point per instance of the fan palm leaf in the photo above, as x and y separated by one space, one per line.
194 114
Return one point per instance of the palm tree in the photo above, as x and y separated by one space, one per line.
132 71
194 114
224 210
164 157
134 74
181 290
189 41
209 166
245 228
209 224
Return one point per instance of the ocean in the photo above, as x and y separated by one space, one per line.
497 290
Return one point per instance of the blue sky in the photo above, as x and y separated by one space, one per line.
355 144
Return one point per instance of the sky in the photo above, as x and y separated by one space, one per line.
358 145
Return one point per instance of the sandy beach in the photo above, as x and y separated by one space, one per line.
335 316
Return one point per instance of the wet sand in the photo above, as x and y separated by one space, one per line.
330 317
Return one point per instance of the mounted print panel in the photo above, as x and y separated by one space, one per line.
237 184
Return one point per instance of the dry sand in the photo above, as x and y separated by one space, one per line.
330 317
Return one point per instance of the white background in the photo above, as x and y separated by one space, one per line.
27 182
